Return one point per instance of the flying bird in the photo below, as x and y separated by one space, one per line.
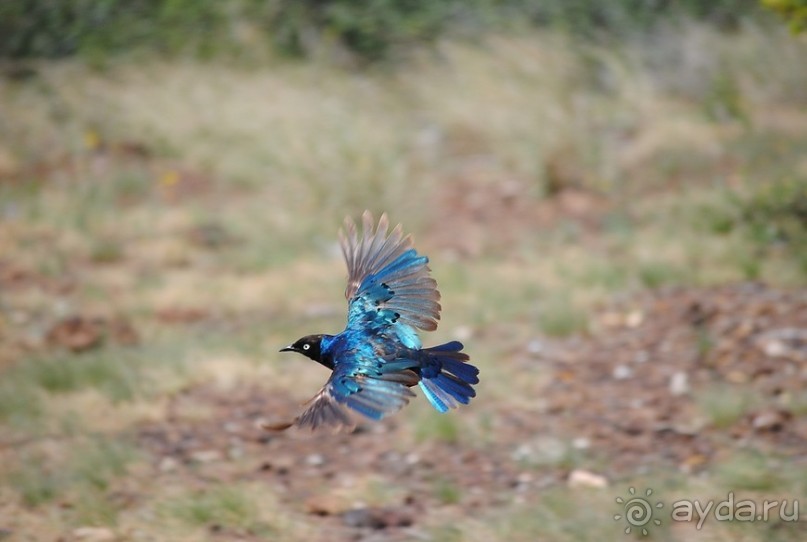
379 357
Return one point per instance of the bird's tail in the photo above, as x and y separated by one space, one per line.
447 377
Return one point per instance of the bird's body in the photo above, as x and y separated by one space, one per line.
379 356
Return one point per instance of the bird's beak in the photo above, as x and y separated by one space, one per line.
287 349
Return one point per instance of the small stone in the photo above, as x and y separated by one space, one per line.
771 420
412 459
776 349
315 460
168 464
679 384
94 534
535 347
581 443
584 478
622 372
206 456
691 426
634 318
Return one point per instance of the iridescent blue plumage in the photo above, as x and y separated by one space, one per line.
378 356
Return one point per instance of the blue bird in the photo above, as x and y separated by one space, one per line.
379 356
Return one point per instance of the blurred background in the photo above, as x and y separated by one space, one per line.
613 195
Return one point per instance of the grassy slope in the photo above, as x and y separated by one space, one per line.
233 210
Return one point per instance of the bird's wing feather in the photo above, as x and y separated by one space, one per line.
371 388
388 282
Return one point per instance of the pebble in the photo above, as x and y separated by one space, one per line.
634 318
315 460
679 384
206 456
622 372
168 464
584 478
94 534
581 443
535 347
412 458
769 419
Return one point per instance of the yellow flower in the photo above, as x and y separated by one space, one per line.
169 178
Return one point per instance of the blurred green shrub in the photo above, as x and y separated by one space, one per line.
777 213
593 17
370 29
58 28
795 11
773 215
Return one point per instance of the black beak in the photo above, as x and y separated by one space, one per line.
287 349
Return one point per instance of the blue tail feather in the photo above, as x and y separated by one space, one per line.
446 377
458 389
462 370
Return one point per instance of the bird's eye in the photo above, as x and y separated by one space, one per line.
306 346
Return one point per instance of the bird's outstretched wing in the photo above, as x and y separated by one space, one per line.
369 387
388 282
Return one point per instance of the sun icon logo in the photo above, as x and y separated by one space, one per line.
638 511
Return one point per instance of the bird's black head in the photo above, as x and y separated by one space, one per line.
308 346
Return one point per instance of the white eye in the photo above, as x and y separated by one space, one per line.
306 346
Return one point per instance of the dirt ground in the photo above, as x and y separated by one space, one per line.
628 395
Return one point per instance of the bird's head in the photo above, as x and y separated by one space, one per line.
308 346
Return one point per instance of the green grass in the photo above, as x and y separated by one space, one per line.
725 405
561 515
656 274
110 370
84 471
560 318
20 406
441 428
101 461
447 492
35 481
225 506
751 470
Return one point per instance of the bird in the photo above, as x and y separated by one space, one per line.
379 356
